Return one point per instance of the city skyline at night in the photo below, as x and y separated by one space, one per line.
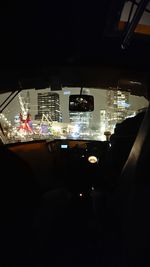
110 107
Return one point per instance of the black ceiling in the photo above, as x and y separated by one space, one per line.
74 41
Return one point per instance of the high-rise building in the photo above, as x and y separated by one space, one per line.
117 107
49 105
103 121
81 117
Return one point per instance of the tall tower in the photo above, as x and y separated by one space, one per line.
117 107
49 104
24 102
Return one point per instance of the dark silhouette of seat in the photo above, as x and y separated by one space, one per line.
18 197
125 231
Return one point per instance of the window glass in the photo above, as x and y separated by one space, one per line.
44 114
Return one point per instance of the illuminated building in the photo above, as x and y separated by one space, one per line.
80 117
49 105
82 120
103 123
117 107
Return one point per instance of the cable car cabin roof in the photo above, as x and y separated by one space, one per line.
76 43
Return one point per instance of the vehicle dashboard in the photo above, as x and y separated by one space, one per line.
66 163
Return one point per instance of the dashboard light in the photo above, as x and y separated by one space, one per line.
92 159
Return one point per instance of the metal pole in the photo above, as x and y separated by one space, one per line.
130 29
10 100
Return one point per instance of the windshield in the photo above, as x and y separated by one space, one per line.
44 114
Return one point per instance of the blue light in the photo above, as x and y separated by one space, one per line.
66 92
123 104
64 146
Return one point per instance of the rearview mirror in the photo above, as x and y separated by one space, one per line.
81 103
